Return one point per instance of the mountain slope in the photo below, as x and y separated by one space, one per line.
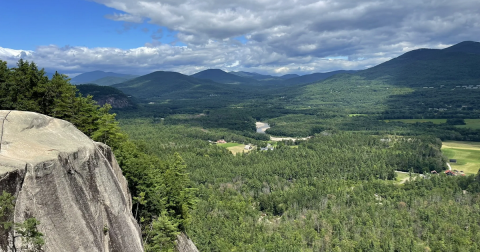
112 80
315 77
423 83
256 76
89 77
221 76
457 65
465 47
106 94
289 76
172 85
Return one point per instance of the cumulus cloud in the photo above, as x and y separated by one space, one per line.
184 59
318 28
282 36
125 18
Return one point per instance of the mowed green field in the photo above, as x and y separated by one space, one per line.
227 145
435 121
470 123
467 155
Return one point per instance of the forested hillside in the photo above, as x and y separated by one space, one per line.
101 78
336 189
161 190
172 85
332 192
105 94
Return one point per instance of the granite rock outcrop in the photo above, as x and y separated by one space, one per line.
68 182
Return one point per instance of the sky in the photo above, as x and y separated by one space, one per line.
265 36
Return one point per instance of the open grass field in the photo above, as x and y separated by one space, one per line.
234 147
470 123
228 145
435 121
467 155
402 177
238 149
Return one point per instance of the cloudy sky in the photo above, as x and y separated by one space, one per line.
266 36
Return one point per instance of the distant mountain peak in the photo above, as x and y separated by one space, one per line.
221 76
92 76
471 47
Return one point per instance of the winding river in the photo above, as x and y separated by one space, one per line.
261 127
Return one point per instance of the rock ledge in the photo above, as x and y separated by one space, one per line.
71 184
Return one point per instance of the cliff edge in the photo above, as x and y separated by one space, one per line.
71 184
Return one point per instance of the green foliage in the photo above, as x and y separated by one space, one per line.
103 94
160 188
27 88
108 131
456 121
32 239
335 192
161 234
7 206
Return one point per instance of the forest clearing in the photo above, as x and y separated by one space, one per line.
435 121
469 123
467 155
402 177
234 148
228 145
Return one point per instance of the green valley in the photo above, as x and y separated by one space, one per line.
342 185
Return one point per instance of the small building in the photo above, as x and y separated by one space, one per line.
221 141
449 173
248 147
452 161
433 172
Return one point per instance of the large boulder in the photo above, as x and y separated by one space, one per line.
68 182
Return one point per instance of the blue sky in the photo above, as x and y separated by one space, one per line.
269 36
31 23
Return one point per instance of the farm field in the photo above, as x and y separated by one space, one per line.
467 155
228 145
470 123
234 147
435 121
237 149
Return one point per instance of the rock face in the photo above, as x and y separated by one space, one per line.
115 101
71 184
184 244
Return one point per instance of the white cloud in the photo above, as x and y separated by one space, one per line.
125 18
298 36
319 28
184 59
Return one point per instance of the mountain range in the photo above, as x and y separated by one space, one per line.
455 65
101 78
173 85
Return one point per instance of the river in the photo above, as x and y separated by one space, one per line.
261 127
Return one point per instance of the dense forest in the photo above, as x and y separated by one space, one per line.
335 191
161 189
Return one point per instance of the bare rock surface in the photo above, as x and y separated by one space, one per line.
184 244
71 184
